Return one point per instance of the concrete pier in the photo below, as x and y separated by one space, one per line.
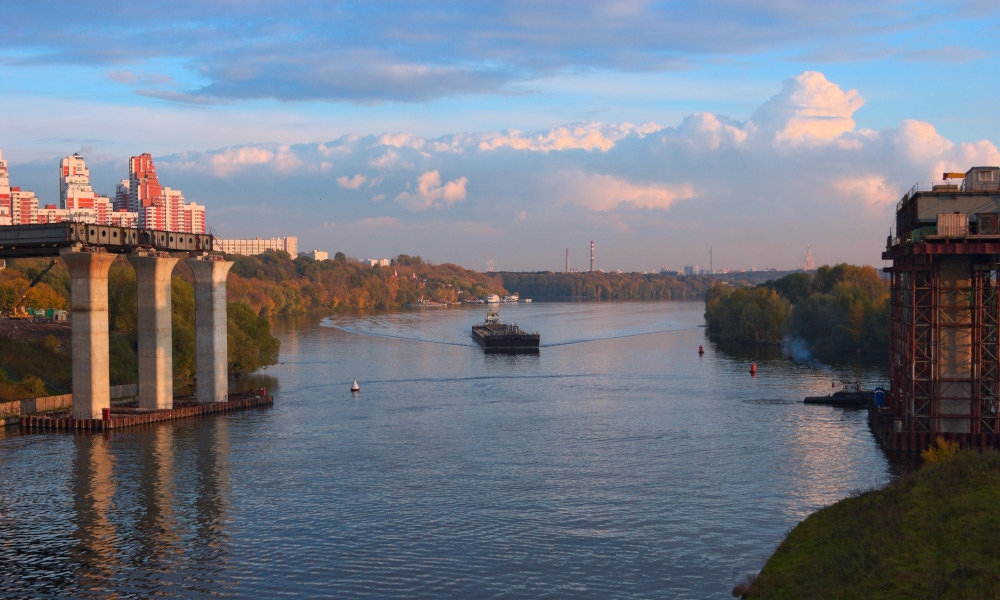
210 327
88 273
153 327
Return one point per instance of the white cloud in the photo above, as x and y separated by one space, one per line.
604 193
871 190
401 140
431 193
584 136
388 160
351 183
808 108
234 159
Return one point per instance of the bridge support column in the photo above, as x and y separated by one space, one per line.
89 305
211 328
153 328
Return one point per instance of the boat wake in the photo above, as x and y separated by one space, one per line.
616 337
398 337
472 345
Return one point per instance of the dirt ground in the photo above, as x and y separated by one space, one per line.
34 332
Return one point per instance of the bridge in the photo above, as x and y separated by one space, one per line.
88 251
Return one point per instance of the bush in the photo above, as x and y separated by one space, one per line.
942 449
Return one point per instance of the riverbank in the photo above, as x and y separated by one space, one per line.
929 534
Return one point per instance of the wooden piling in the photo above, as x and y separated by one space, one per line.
123 418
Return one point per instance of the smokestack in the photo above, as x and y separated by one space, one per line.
591 255
567 260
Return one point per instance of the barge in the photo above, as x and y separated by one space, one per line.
493 335
850 395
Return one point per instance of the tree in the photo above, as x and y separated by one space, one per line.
340 257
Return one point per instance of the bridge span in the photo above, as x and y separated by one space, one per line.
88 251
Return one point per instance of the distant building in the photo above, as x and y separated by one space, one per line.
375 262
691 270
316 254
256 246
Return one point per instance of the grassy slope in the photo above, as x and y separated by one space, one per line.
932 534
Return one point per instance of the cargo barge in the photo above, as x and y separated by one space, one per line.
850 396
493 335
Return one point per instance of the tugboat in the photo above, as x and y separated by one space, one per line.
493 335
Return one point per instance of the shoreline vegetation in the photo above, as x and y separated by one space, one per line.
839 311
929 534
273 285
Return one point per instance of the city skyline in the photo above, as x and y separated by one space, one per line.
504 135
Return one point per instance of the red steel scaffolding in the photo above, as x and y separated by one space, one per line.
944 371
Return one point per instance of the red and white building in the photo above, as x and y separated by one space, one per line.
159 207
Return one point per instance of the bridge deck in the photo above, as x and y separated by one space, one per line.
48 239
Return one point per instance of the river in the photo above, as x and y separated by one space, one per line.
615 463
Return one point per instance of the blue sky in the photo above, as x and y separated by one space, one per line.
502 134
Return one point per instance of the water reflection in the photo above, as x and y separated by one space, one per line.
97 554
134 514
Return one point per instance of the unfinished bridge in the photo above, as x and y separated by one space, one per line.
88 251
944 377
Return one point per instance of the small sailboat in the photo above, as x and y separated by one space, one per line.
355 387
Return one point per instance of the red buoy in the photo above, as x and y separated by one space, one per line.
753 368
701 350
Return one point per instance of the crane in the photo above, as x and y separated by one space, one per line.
17 310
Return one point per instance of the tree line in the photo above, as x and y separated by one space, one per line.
838 310
273 284
612 286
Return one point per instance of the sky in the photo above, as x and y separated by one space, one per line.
499 135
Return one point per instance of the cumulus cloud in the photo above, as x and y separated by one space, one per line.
872 190
233 159
604 193
808 108
584 136
797 165
351 183
431 193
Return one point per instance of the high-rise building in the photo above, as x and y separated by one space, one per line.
5 207
77 199
158 206
122 200
74 184
144 185
140 201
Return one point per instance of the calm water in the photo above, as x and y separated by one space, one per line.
616 463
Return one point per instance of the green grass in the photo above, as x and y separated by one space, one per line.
932 534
